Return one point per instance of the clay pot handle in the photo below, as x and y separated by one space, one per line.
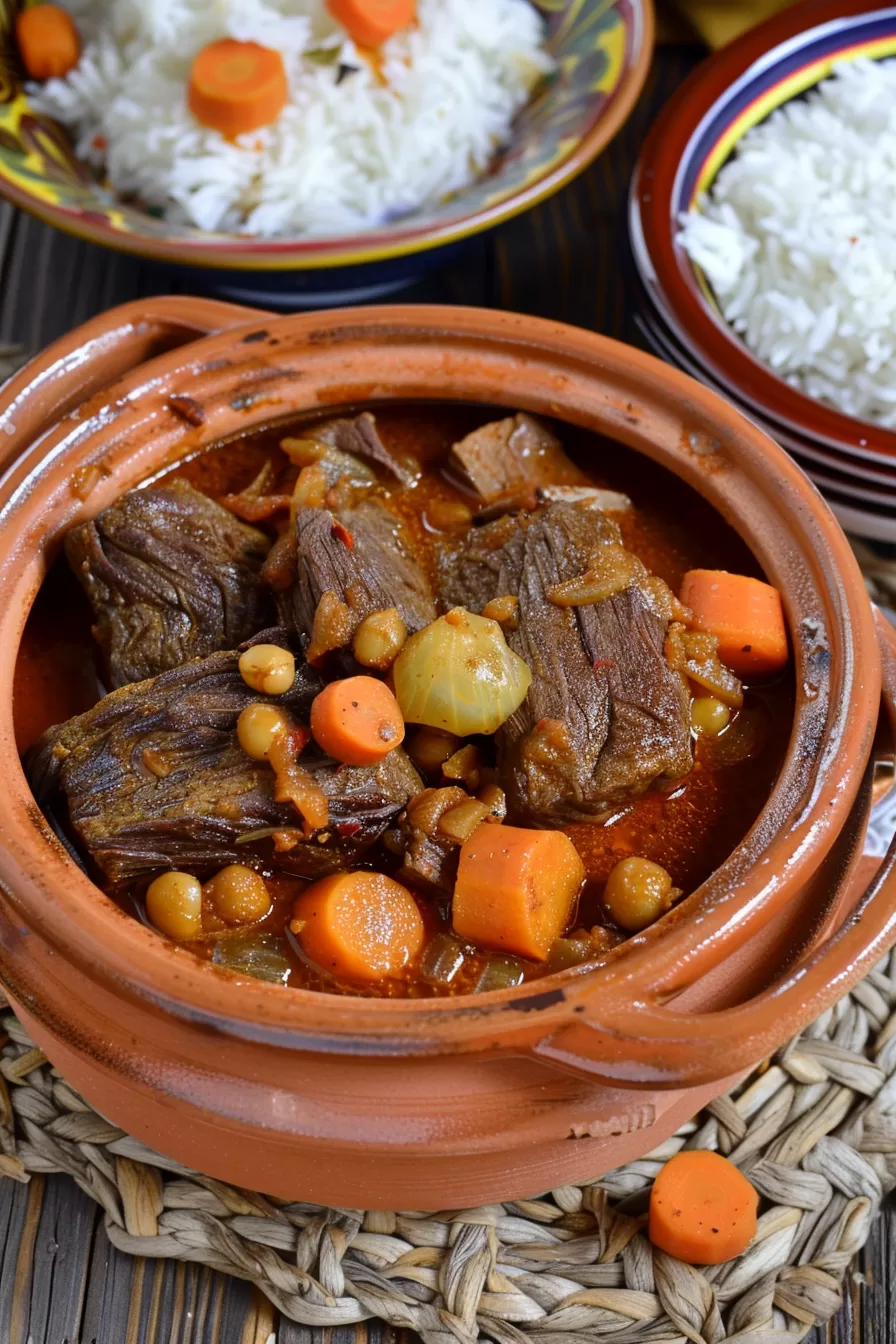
646 1044
73 369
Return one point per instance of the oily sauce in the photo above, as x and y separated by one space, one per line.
689 829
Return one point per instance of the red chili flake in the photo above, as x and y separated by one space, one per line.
99 142
344 829
341 533
187 408
603 662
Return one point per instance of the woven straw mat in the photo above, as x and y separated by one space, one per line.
814 1129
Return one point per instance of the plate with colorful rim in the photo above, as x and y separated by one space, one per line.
602 48
697 132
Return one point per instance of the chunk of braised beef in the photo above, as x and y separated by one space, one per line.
171 575
152 777
505 461
606 717
358 563
359 437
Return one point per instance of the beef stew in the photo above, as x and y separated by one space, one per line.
483 682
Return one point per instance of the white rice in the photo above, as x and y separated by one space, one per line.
798 240
341 156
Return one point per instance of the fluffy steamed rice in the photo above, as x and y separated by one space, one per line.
798 241
342 155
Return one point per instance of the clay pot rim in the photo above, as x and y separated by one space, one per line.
564 368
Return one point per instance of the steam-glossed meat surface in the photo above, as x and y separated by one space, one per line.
605 717
360 556
171 575
153 778
510 455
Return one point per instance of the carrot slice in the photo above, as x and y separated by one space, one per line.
371 22
745 614
357 721
702 1209
48 40
362 926
237 87
516 888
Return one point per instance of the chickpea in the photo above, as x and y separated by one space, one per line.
379 639
709 716
238 894
258 728
174 905
637 893
268 668
430 748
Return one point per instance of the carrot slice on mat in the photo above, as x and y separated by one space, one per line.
237 87
362 926
702 1209
357 721
371 22
48 41
746 615
516 888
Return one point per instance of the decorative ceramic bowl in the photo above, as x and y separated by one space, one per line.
861 492
429 1103
602 51
696 134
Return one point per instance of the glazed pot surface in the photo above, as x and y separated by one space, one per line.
351 1101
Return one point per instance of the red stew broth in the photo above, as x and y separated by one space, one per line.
690 830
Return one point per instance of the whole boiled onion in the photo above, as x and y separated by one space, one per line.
459 675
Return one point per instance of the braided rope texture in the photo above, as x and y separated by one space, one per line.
814 1129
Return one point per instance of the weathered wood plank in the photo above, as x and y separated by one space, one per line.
61 1260
15 1202
109 1285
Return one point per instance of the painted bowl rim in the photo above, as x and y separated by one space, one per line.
665 270
376 245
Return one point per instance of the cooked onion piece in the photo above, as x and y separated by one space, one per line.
458 674
611 571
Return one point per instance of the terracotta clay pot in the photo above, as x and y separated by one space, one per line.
434 1103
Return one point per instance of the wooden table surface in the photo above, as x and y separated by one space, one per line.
61 1282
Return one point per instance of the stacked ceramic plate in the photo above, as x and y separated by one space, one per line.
853 462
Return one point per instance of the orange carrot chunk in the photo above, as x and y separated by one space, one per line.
371 22
516 889
237 87
745 614
48 41
357 721
702 1209
360 926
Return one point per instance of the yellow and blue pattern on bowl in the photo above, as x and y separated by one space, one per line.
602 49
